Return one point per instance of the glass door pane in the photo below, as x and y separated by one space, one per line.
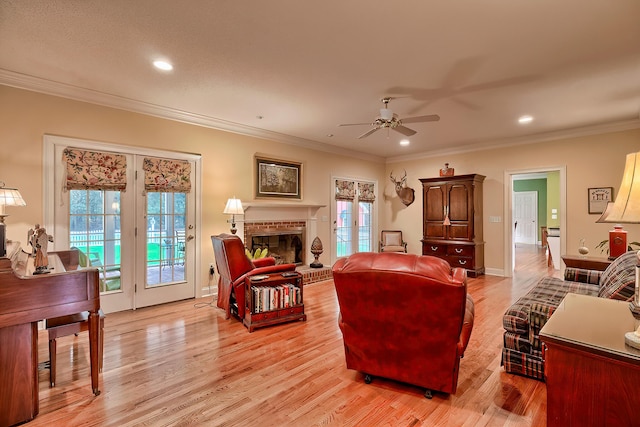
344 228
166 233
365 236
94 228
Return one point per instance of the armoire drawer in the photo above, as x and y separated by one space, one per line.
460 250
463 262
434 249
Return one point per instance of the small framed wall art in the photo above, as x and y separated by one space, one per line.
598 199
278 178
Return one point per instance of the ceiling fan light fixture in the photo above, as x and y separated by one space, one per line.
389 120
386 114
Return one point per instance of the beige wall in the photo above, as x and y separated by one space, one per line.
227 163
227 158
590 161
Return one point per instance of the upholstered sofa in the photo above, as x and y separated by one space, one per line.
404 317
522 322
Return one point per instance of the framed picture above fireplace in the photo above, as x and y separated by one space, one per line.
278 178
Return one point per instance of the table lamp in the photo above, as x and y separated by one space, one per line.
8 197
626 210
233 208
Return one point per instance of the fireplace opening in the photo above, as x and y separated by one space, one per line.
286 246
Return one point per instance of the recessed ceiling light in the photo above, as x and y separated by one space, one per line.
405 142
523 120
163 65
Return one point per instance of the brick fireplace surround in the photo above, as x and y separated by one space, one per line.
274 219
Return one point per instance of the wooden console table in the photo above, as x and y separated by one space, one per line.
592 375
26 299
586 262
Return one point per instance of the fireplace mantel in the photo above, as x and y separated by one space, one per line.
258 211
276 205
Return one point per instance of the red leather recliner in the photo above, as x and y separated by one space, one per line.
404 317
234 268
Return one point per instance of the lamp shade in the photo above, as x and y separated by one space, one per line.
626 208
234 207
10 197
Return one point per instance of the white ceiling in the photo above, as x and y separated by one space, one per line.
305 67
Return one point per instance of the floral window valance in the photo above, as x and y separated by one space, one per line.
95 170
166 175
345 190
366 192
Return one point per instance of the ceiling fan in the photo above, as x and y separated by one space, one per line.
388 119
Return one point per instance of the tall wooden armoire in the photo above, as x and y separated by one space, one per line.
452 220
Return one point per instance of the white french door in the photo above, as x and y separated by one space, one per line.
352 219
143 243
164 245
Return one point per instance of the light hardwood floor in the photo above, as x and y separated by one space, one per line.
184 364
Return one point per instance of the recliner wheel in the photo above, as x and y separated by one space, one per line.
367 379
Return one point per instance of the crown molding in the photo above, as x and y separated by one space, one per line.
618 126
76 93
50 87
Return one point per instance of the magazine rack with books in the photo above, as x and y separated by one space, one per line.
272 299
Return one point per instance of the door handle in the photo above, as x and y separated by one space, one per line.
190 237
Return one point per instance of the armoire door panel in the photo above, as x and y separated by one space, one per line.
459 231
459 203
434 203
435 230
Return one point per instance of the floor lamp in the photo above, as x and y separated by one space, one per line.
8 197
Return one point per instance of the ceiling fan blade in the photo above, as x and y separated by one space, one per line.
429 118
366 134
355 124
404 130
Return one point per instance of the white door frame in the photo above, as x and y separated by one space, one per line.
49 184
508 244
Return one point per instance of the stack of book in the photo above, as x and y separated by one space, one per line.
267 298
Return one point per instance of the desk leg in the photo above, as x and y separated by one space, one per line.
94 343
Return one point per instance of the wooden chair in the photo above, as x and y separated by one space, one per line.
66 325
392 241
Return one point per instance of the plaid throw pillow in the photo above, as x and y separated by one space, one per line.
619 279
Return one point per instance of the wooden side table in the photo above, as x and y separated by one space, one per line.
588 263
276 310
592 375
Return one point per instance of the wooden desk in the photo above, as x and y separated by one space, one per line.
592 375
27 299
589 263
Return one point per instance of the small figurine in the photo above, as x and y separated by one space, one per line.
39 241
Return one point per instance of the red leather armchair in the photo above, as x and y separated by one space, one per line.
234 268
404 317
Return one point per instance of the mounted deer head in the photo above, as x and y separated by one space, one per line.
406 194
